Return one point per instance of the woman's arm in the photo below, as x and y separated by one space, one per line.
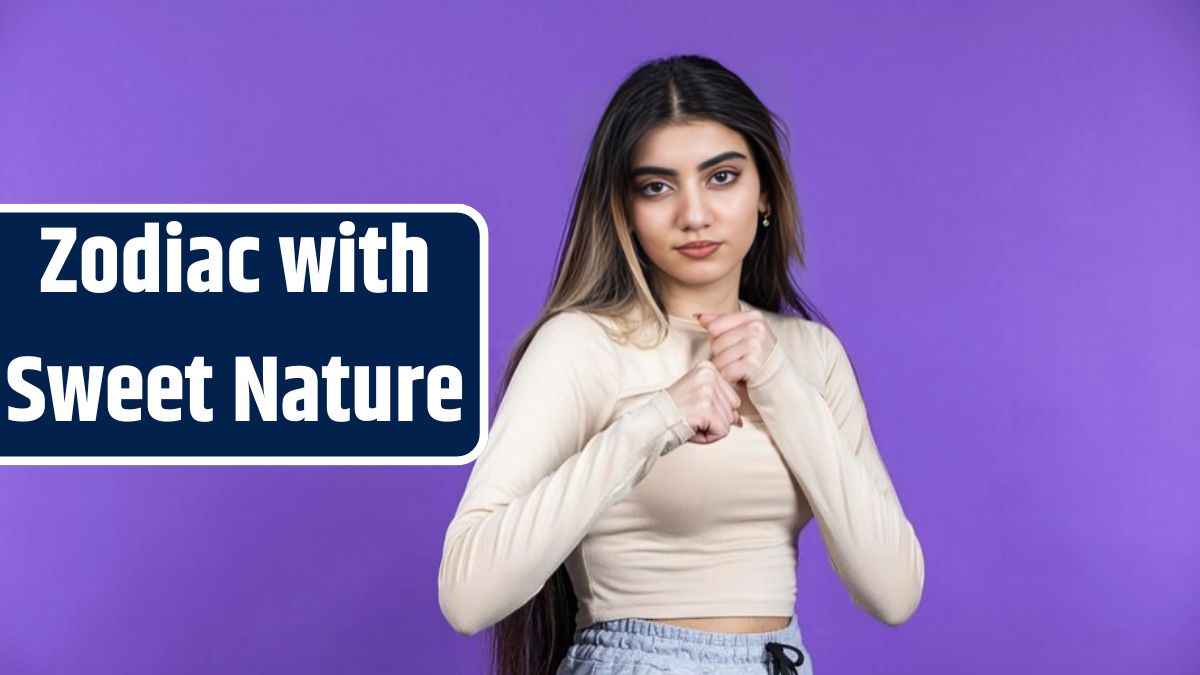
826 440
548 471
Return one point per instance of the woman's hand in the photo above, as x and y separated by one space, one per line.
740 343
708 402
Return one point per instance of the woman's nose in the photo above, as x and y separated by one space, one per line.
695 213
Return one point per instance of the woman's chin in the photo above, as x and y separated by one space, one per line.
695 276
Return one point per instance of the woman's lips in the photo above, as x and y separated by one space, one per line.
699 251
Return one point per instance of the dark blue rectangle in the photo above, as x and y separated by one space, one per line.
441 326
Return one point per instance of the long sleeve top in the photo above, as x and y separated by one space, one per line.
588 463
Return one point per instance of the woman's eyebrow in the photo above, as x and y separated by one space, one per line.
660 171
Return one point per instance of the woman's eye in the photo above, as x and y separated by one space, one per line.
650 193
731 174
655 188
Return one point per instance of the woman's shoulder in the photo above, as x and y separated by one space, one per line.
575 324
570 346
574 333
615 331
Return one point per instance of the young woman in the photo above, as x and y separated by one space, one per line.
666 429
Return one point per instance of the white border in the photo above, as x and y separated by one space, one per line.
484 392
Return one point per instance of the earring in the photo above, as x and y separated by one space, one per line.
766 222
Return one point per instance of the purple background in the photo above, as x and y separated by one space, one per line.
1001 209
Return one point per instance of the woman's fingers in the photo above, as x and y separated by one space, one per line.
731 398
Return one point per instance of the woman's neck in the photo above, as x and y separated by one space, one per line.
685 302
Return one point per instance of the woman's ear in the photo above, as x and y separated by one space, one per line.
763 202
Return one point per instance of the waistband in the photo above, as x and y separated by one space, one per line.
641 635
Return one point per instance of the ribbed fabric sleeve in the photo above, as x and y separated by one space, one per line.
826 441
548 471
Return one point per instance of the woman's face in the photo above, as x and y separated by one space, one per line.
695 181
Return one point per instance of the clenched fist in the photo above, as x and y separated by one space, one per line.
740 342
708 402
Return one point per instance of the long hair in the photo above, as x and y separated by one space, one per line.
602 269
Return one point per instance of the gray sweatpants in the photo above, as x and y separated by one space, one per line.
641 647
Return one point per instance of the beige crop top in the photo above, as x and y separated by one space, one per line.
588 463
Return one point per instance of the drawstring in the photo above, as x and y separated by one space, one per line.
780 662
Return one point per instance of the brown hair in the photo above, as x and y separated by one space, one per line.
601 269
